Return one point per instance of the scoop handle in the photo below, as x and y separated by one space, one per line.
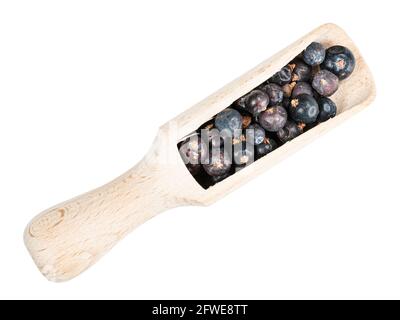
70 237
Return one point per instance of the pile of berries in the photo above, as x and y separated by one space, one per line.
293 100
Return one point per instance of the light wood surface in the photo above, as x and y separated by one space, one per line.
69 237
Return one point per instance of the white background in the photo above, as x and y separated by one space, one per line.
84 86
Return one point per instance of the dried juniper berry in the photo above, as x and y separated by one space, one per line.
282 77
194 150
314 54
219 163
273 119
256 102
327 109
265 147
290 131
274 92
228 121
340 61
325 83
243 154
255 134
302 88
301 71
304 108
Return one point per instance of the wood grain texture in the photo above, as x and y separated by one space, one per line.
69 237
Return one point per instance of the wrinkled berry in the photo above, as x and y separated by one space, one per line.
304 109
327 109
302 88
301 71
219 163
290 131
273 119
228 121
274 92
340 61
256 102
325 83
266 147
314 54
283 76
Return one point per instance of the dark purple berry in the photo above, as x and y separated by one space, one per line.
302 88
301 71
314 54
325 83
194 150
327 109
274 92
255 134
304 109
228 120
282 77
340 61
219 164
243 153
290 131
256 102
273 119
266 147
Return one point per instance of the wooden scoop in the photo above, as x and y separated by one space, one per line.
70 237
